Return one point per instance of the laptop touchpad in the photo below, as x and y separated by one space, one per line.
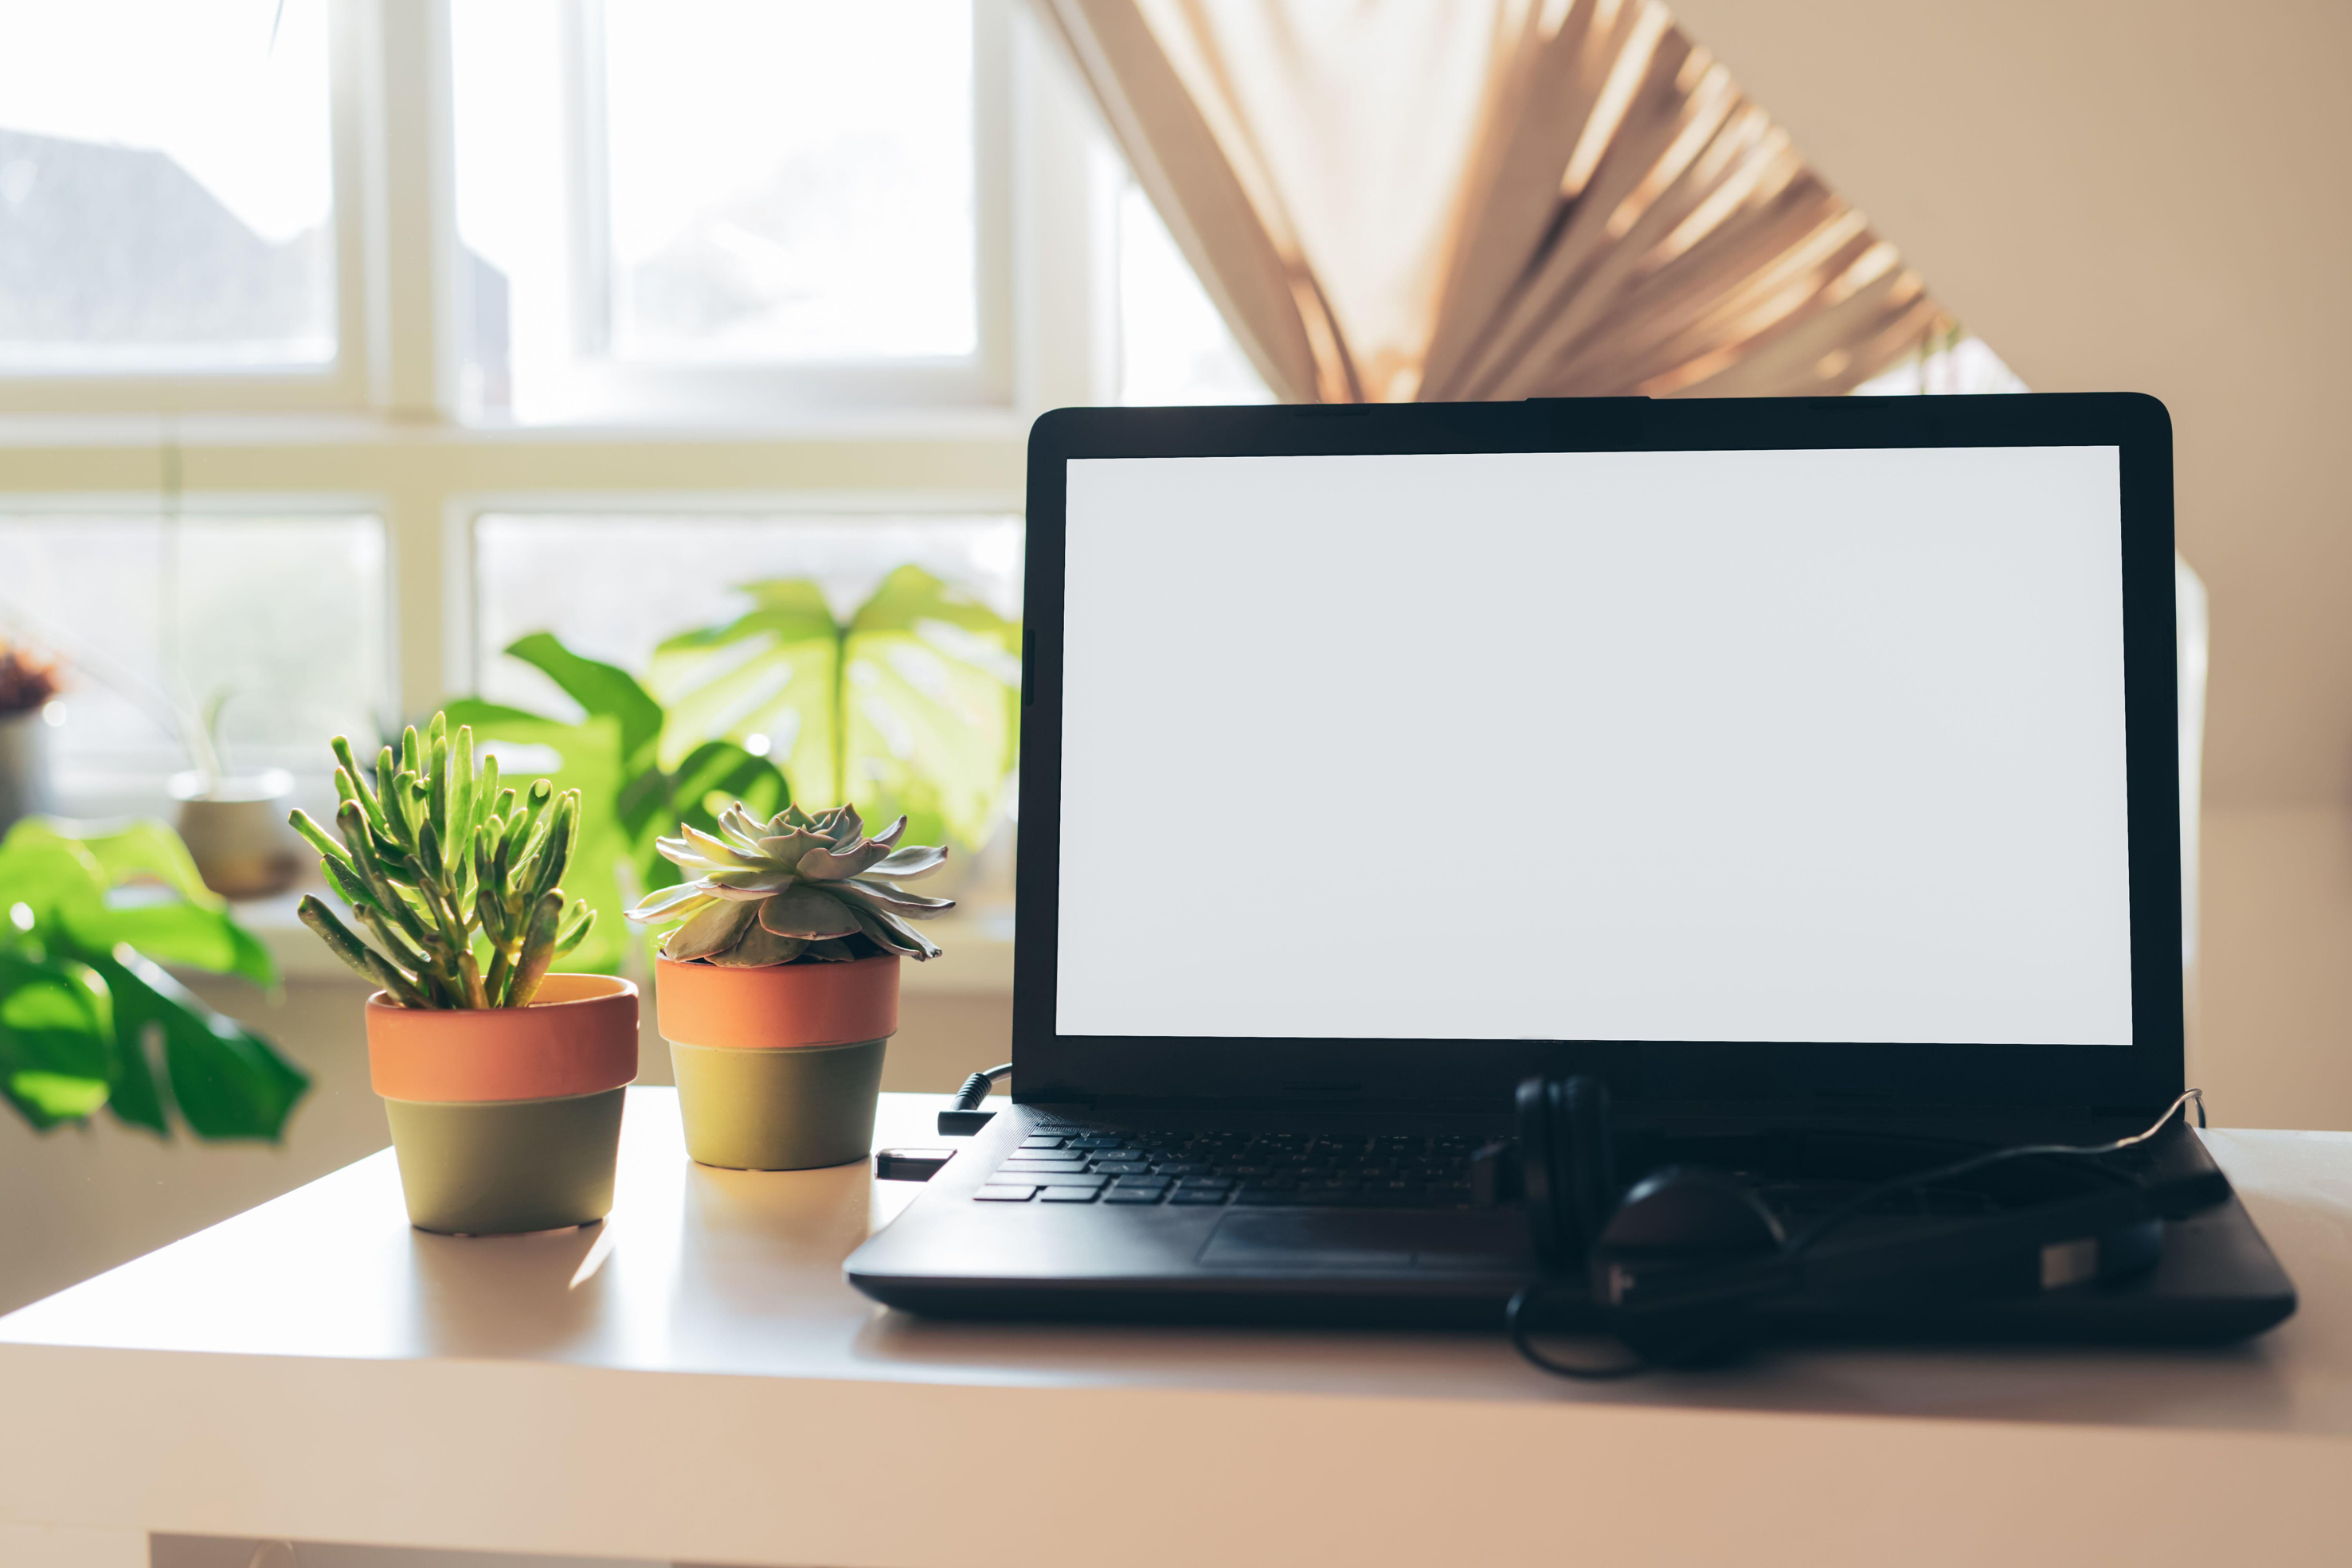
1323 1238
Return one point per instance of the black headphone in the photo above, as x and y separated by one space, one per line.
1686 1264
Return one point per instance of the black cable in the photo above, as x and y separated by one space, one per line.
1515 1314
1514 1319
1974 1162
975 1088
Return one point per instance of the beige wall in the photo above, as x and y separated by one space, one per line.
2156 195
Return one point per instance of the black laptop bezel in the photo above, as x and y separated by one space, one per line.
1458 1074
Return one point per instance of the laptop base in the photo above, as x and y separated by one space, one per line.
950 1256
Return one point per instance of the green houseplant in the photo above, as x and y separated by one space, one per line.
628 797
778 988
503 1082
910 707
88 919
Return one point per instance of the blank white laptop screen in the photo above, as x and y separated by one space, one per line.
1812 746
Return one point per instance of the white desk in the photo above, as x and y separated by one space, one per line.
713 1392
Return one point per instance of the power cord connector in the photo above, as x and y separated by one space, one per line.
965 1117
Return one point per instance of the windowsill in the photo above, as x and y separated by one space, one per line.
296 429
978 959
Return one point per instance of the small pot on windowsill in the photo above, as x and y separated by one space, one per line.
235 829
24 763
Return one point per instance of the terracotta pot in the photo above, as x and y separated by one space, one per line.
777 1068
236 831
507 1118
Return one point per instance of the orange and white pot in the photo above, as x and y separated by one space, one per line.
507 1118
777 1068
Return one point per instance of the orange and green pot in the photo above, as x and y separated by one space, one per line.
777 1068
507 1118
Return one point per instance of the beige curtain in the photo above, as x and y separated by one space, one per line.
1445 199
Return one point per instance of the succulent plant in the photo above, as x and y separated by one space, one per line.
435 857
793 888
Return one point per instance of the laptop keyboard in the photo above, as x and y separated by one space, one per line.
1313 1170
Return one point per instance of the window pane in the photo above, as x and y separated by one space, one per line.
714 182
276 624
613 585
789 180
1173 345
166 185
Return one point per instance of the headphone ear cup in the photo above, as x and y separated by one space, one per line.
1567 1165
1539 1177
1679 1265
1590 1171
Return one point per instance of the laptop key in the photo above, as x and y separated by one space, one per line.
1197 1194
1066 1195
1123 1168
999 1191
1133 1194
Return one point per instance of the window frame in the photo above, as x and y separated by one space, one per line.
342 382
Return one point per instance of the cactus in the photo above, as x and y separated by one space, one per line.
456 879
797 887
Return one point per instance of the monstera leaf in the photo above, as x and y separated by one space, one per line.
773 670
910 709
83 1000
628 798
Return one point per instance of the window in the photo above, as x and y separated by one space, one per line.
712 207
266 629
166 187
607 278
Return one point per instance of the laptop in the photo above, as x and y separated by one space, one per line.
1806 769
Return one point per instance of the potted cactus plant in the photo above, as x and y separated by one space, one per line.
503 1082
777 990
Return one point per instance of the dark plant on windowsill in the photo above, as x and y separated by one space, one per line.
27 681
